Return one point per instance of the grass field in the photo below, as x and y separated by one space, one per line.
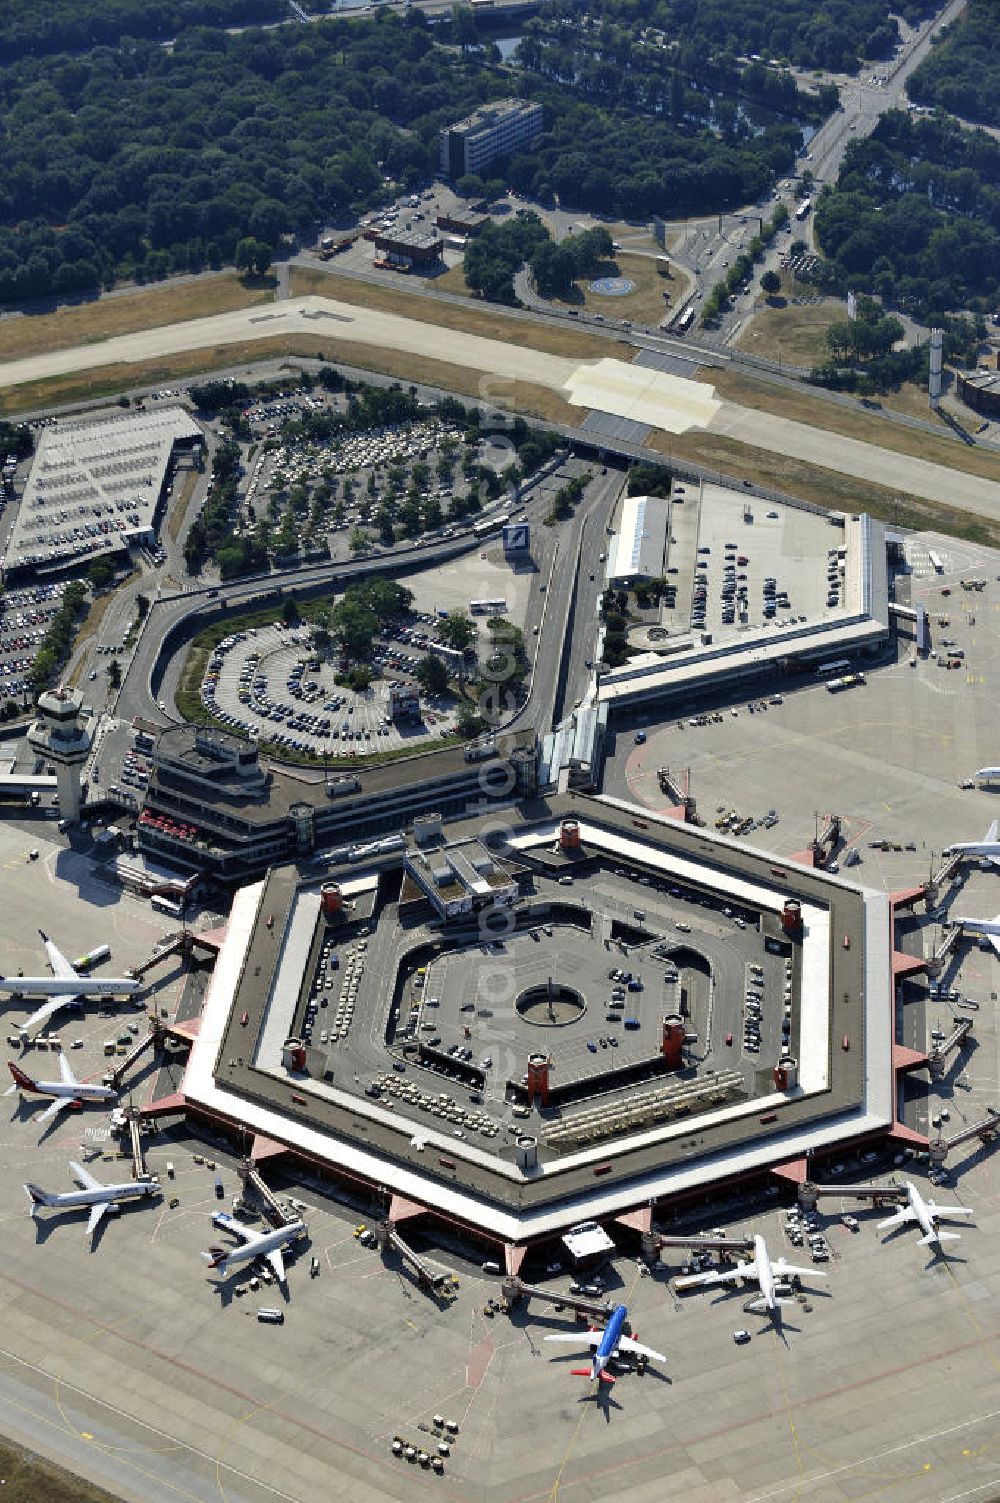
794 333
124 313
29 1479
645 305
803 406
485 319
797 477
178 509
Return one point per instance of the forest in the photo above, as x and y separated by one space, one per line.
47 26
835 35
962 72
915 217
134 161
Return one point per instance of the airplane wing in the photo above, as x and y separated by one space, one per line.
626 1344
54 1106
781 1270
899 1217
590 1339
945 1213
84 1178
66 1071
991 834
42 1014
61 967
741 1271
96 1212
277 1262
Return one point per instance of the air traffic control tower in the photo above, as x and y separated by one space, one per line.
63 734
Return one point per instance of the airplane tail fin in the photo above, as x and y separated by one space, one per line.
607 1378
214 1257
36 1197
20 1079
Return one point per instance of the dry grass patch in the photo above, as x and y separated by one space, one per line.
647 304
127 312
803 405
178 508
484 319
828 488
424 370
792 333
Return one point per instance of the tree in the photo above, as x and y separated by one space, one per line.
100 573
432 675
360 542
457 631
470 721
770 283
290 611
142 606
253 255
114 673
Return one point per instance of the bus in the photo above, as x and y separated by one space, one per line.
487 607
685 321
936 561
835 665
845 681
166 905
804 209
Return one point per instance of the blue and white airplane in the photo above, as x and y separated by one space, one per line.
606 1344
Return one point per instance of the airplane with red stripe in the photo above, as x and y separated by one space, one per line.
67 1093
607 1344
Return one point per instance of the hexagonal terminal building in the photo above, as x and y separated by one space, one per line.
584 1015
63 734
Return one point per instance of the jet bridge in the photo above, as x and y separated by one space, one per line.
876 1195
433 1280
274 1210
515 1290
653 1243
986 1131
118 1071
937 1059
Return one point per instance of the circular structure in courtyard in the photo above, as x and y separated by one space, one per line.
612 286
550 1004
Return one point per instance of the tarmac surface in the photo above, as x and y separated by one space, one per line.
123 1364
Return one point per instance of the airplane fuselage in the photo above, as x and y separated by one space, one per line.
259 1247
608 1343
69 986
134 1190
80 1090
765 1273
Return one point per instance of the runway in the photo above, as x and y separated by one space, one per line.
664 401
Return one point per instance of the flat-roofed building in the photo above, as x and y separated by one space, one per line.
642 540
96 485
495 130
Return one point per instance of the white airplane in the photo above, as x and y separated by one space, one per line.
604 1345
65 986
766 1273
927 1215
988 928
65 1093
267 1245
988 848
92 1193
987 774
